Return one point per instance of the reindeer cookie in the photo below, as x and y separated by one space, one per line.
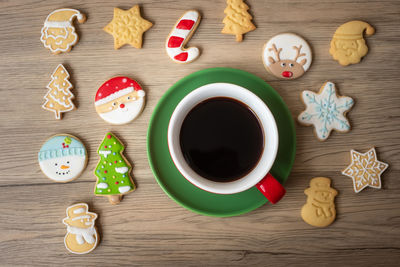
287 56
81 237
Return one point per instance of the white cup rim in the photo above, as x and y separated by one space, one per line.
265 118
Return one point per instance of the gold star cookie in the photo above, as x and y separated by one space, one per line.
127 27
365 170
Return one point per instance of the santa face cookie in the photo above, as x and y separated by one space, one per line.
287 56
81 237
119 100
58 32
62 158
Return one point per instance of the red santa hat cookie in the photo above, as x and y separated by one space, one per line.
119 100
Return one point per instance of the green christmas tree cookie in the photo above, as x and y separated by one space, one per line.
113 170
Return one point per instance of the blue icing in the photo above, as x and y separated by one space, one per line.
53 147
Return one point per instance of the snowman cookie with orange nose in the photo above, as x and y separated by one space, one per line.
62 158
119 100
287 56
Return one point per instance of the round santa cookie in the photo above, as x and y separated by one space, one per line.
62 158
287 56
119 100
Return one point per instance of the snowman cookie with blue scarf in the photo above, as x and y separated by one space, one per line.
62 158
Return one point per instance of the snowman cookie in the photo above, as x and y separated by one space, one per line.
287 56
81 237
119 100
62 158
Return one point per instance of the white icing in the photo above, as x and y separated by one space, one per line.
326 111
88 235
76 165
193 52
125 115
105 153
60 24
124 189
81 217
102 185
114 96
121 169
286 41
79 210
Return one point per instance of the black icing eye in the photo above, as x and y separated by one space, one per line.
283 64
114 104
291 64
67 162
55 164
128 97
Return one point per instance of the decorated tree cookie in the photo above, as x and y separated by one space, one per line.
119 100
237 20
59 97
113 170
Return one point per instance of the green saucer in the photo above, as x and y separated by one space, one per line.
168 176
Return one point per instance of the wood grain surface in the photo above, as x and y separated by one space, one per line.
148 228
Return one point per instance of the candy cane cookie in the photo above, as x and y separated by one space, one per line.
180 35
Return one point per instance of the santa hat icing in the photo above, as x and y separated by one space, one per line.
354 30
61 18
61 146
115 88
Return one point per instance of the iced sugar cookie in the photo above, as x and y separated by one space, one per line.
58 32
113 170
320 207
287 56
127 27
180 35
348 45
326 110
237 20
119 100
62 158
81 237
365 169
59 96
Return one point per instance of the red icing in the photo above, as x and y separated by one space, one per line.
287 74
109 136
115 84
116 183
105 171
182 56
122 105
105 146
175 41
115 162
271 188
185 24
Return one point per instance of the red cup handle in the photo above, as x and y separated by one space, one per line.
271 188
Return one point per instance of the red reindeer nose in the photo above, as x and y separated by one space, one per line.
287 74
122 105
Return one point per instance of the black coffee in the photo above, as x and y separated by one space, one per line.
221 139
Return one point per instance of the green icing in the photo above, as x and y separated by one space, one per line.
113 172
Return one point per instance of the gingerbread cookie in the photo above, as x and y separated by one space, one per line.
119 100
326 110
58 32
287 56
320 207
113 170
180 35
237 20
348 45
59 96
62 158
81 237
127 27
365 170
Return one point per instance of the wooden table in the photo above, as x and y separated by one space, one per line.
148 228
